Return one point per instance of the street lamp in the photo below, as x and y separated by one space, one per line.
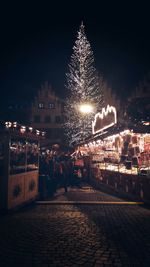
85 109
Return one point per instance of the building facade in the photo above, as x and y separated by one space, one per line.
47 114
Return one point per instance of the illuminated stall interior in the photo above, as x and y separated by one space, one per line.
126 151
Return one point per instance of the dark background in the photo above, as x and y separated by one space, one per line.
37 40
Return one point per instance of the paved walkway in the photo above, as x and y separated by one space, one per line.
93 230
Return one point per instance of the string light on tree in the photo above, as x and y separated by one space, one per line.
83 87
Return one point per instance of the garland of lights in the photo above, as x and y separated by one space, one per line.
22 129
103 115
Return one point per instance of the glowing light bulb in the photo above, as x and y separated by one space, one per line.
86 108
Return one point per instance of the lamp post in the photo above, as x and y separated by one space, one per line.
85 109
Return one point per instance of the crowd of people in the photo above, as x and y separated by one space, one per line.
56 171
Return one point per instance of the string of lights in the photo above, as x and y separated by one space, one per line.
14 126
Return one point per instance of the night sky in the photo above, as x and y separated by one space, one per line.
37 40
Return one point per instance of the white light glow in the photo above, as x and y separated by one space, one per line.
125 132
8 124
30 129
37 132
146 123
22 129
43 133
86 108
15 124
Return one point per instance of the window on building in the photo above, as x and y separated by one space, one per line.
51 105
37 118
58 119
41 105
47 119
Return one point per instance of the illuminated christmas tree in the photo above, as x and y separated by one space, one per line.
84 88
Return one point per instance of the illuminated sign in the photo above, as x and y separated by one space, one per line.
104 120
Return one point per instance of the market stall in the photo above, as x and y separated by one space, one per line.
119 157
125 152
19 164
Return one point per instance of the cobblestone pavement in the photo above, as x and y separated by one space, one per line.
70 235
